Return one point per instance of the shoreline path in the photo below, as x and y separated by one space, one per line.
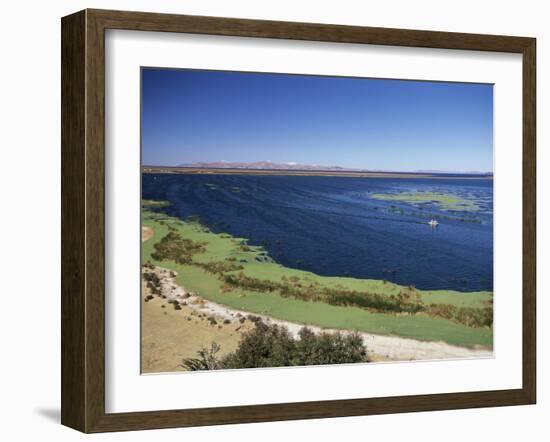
379 347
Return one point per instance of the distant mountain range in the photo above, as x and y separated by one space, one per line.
262 165
465 172
268 165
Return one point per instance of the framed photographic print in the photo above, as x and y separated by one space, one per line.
268 220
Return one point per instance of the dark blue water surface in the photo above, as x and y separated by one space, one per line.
331 225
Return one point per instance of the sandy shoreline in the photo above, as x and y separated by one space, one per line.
146 233
379 347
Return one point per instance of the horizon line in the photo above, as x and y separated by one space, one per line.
321 169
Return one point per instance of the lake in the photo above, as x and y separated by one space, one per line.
341 226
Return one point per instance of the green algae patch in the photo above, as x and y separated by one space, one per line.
152 204
444 201
229 271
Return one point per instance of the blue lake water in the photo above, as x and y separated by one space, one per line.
332 225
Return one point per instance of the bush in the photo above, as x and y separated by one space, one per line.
291 287
206 360
220 267
274 346
408 300
472 317
264 346
329 348
176 248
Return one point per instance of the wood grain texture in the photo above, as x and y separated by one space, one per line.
529 221
95 221
73 129
83 220
144 21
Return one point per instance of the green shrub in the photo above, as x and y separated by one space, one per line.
408 300
219 267
264 346
291 287
274 346
470 316
329 348
176 248
207 359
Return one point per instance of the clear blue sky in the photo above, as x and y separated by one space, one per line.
192 116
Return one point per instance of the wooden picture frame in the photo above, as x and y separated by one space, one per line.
83 220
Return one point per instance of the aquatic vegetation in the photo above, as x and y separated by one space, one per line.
407 301
325 225
444 201
472 317
221 269
152 204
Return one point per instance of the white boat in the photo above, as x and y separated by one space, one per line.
433 223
